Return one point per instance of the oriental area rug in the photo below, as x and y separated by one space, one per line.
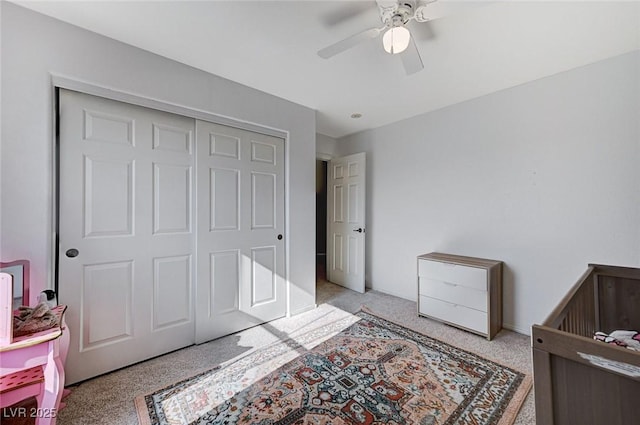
372 371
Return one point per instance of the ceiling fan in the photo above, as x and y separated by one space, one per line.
395 15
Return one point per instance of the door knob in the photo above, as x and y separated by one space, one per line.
359 230
72 253
279 237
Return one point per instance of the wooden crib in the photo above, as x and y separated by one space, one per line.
577 379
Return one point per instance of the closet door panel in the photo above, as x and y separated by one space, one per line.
241 188
126 208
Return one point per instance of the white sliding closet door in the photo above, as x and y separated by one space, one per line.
126 232
241 267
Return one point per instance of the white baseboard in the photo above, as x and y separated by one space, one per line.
517 329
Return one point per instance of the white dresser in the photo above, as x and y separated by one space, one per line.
465 292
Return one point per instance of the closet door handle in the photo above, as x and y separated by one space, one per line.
71 253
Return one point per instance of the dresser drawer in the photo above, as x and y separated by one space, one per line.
471 277
454 293
456 314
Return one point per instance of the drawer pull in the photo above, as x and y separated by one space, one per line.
450 284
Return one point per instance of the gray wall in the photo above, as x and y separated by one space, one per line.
34 46
325 147
544 176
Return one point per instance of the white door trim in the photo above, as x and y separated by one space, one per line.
136 99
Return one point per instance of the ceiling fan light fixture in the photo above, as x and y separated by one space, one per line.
396 40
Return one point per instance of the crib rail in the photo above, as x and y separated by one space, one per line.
604 298
577 312
578 379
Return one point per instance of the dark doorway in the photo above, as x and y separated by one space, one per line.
321 218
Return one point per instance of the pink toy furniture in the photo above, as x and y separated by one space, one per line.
30 365
21 266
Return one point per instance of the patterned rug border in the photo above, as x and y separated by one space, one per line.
508 417
516 402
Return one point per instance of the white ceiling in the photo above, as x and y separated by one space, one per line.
473 49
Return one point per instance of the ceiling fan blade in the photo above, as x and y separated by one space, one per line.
349 42
422 31
411 59
423 11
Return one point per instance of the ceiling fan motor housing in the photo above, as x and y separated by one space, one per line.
407 4
394 14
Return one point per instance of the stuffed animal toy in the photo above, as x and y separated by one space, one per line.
629 339
48 296
30 320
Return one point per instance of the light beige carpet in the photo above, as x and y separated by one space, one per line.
109 399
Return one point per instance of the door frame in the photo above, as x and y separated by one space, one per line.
63 82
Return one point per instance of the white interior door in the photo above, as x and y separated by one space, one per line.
126 239
346 185
241 267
